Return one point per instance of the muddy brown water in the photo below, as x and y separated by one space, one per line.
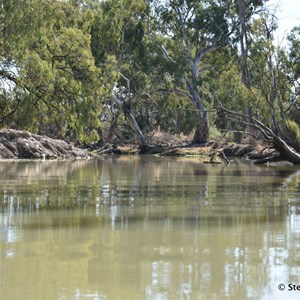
148 228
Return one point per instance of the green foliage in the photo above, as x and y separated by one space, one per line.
117 27
293 130
294 55
60 60
234 95
214 133
55 80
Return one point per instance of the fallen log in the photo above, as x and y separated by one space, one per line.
268 159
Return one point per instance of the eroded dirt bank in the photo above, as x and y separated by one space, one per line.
23 144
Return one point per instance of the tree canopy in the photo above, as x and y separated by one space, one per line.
92 70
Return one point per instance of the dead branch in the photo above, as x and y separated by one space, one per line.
285 150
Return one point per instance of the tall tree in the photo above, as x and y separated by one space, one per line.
242 16
187 32
116 42
47 63
275 79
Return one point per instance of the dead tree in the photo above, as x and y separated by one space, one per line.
286 152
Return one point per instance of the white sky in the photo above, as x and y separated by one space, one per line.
288 14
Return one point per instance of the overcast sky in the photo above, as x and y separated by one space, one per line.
288 14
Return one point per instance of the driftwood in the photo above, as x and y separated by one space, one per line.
268 159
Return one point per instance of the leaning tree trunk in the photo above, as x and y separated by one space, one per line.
286 152
131 120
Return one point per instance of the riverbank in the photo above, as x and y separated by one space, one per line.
212 152
16 144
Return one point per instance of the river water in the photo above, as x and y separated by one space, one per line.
148 228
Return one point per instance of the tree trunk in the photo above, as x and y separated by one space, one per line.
242 32
131 119
135 127
202 128
201 134
286 151
112 127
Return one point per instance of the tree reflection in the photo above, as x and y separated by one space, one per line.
158 228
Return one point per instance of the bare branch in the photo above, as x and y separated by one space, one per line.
126 79
166 54
256 123
240 131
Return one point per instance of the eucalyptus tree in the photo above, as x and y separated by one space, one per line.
294 69
50 83
275 76
274 88
187 33
117 34
243 13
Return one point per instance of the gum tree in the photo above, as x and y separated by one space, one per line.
275 89
187 33
117 35
50 81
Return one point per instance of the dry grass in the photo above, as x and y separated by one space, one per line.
158 137
189 151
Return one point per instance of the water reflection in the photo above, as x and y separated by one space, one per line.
147 228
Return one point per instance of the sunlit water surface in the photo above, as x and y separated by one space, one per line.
148 228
